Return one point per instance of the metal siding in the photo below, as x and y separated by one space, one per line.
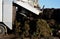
7 13
0 10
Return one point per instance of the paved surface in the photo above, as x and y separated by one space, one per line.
6 36
11 36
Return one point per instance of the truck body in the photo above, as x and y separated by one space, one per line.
8 11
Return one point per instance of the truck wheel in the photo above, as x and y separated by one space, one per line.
2 30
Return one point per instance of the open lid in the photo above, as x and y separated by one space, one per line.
28 7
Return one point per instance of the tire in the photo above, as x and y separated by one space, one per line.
2 29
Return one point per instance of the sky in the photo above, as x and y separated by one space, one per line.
49 3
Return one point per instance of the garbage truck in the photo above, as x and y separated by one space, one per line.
8 12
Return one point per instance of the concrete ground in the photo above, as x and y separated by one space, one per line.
12 36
